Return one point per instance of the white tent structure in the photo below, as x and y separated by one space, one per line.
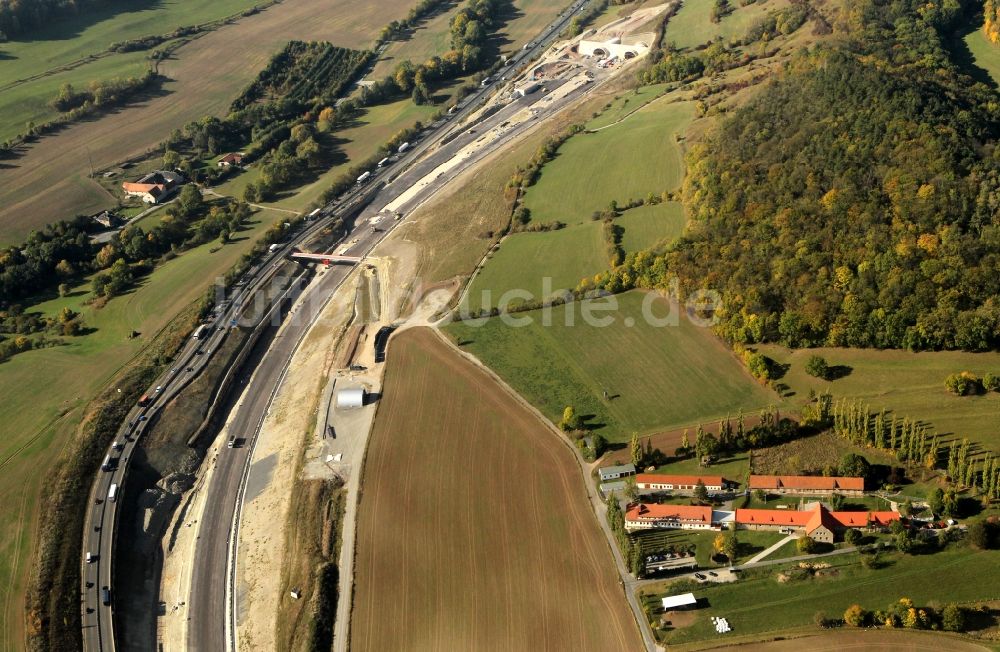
350 398
679 601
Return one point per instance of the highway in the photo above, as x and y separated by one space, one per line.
209 619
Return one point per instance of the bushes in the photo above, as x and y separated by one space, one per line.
904 613
983 534
674 67
817 366
962 384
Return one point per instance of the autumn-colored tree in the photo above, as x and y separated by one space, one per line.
855 616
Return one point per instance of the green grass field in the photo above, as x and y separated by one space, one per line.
431 38
751 543
525 260
657 378
30 101
735 467
43 392
626 103
627 160
986 55
692 26
760 605
647 226
911 384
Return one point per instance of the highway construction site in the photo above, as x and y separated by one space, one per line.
205 508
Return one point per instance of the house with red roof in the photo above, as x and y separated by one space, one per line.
154 187
231 159
650 516
807 485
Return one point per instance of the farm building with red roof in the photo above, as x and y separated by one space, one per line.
806 485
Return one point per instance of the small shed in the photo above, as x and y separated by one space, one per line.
615 472
350 398
682 601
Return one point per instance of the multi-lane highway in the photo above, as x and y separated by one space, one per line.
210 620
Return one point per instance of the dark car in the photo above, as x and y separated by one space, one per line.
106 596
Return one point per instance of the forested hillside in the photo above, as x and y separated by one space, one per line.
854 201
19 17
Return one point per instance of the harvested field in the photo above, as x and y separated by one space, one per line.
48 182
474 530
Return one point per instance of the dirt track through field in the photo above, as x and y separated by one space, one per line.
49 181
474 529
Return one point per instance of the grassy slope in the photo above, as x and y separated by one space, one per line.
649 225
431 38
627 160
692 26
912 384
45 391
985 54
478 559
760 605
525 260
530 18
627 103
660 377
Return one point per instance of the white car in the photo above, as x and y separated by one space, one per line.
159 388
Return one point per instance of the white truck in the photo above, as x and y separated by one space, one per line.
113 492
364 177
383 162
403 147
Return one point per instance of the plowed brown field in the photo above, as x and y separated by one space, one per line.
474 529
